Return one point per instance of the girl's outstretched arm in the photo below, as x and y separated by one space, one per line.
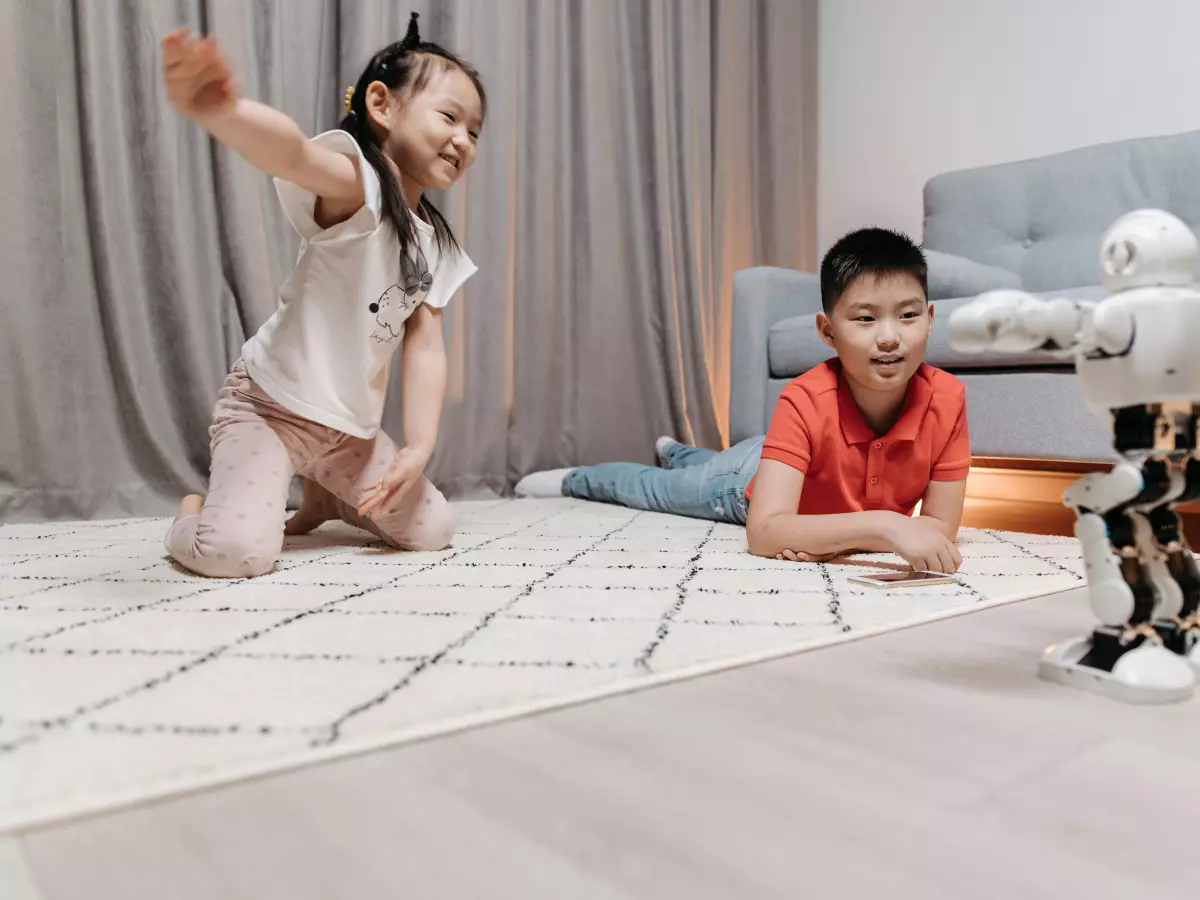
201 86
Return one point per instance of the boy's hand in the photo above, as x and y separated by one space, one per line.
924 547
801 556
199 80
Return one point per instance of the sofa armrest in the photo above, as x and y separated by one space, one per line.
761 297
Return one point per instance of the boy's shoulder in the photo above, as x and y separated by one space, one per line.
944 388
820 379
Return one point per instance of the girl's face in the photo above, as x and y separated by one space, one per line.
432 134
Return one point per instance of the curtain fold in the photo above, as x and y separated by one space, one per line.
637 153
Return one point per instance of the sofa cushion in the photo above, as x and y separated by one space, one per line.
1042 218
1033 415
794 347
957 276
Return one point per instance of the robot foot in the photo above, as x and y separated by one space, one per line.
1138 672
1181 639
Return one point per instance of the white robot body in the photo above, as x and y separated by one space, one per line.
1162 364
1135 355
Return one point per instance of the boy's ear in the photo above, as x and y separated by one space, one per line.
825 329
930 306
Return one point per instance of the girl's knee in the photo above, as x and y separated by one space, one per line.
221 553
433 529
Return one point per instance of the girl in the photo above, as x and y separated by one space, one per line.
377 263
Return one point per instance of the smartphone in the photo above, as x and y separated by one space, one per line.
903 579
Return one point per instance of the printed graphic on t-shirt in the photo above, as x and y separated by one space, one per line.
391 309
416 274
397 302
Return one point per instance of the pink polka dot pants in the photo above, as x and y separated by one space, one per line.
257 445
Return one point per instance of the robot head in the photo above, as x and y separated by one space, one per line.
1147 248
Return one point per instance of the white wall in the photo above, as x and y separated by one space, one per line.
911 88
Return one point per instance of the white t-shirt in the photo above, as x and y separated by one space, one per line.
325 352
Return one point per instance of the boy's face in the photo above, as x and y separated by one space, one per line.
879 328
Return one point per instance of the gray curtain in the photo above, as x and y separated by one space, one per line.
637 153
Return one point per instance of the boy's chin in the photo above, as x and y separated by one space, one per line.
873 374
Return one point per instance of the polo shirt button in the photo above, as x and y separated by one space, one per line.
874 481
878 444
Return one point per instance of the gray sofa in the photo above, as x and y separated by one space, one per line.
1035 224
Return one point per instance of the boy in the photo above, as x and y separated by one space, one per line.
853 445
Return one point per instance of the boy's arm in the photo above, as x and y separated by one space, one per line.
774 526
943 505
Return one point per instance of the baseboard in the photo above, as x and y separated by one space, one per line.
1024 485
1078 466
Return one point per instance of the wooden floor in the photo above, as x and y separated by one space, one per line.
927 763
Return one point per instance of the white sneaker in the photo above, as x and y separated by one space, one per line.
543 484
661 446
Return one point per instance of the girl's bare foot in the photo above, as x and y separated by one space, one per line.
317 506
191 505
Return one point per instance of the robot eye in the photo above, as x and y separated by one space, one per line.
1120 257
374 307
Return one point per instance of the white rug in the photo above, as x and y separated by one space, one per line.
123 678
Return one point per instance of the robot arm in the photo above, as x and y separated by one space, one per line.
1016 322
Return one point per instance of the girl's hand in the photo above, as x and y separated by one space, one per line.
406 469
199 80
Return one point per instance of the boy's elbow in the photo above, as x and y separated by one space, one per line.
756 538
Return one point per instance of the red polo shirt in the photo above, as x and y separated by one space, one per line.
818 429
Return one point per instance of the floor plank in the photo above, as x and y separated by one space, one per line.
16 881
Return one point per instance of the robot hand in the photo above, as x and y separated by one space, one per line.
1010 321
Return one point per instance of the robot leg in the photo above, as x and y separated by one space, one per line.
1164 483
1179 626
1118 590
1124 657
1170 431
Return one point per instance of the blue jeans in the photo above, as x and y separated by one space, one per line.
703 484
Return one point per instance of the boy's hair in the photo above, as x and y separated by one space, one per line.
874 252
406 65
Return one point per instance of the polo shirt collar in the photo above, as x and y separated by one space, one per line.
916 404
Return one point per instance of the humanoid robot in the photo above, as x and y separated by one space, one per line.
1137 356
